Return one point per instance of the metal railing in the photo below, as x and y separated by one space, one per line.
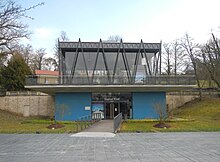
83 123
117 122
24 93
86 121
116 80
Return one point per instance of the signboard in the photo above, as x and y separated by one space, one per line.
87 108
97 110
112 99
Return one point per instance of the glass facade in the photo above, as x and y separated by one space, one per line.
108 63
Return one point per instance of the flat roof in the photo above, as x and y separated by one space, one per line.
109 47
52 89
46 72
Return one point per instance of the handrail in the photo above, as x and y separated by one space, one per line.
83 122
117 122
86 121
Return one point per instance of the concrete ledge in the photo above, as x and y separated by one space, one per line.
52 89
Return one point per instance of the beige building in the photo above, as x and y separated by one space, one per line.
47 77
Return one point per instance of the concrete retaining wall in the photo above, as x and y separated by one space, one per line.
175 101
28 105
44 105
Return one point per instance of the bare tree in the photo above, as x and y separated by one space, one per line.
203 74
211 59
27 52
11 26
38 58
49 64
63 37
167 58
163 114
178 57
114 39
173 58
191 49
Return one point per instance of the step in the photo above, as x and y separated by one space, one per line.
94 134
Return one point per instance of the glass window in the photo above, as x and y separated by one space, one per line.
68 63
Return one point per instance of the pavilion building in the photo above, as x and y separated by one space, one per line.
110 78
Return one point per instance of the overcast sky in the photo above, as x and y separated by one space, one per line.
150 20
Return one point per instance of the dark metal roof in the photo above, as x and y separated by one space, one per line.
109 47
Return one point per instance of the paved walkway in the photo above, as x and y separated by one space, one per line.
127 147
101 126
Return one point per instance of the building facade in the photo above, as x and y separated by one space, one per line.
111 78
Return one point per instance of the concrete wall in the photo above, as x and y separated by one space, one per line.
28 105
175 101
144 104
71 106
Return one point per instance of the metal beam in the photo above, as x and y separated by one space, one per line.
75 60
84 61
126 63
116 61
136 65
146 58
63 64
60 66
105 62
96 59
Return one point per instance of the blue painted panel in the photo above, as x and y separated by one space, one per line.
71 106
144 104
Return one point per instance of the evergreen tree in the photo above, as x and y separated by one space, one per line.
13 75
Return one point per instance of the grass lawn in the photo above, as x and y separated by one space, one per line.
205 115
10 123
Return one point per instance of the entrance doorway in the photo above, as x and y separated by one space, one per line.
111 104
112 109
